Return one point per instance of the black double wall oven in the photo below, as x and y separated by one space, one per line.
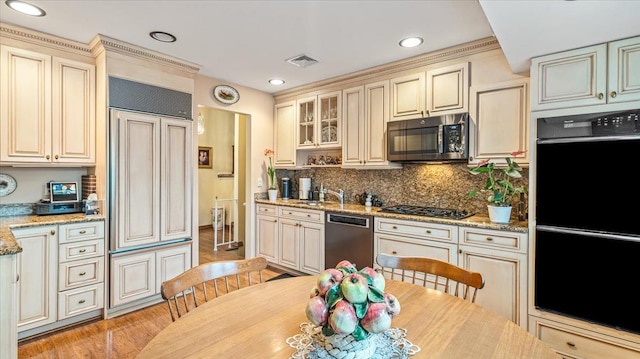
588 218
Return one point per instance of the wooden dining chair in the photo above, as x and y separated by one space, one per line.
189 289
446 275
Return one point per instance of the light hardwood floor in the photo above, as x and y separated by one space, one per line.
124 336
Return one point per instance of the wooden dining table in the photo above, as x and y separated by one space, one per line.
255 322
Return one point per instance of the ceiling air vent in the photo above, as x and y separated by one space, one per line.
302 60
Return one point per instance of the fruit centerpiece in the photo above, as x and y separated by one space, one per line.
352 309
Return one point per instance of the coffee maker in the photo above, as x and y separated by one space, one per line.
286 188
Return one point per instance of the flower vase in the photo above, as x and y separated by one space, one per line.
498 214
273 194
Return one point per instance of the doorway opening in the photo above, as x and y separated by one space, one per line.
223 143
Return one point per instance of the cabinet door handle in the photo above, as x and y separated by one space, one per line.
81 301
53 232
600 96
82 250
614 94
571 344
56 157
460 251
18 277
489 239
83 273
47 157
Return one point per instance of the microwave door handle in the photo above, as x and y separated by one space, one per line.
440 139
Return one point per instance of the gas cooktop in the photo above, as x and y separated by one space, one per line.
428 211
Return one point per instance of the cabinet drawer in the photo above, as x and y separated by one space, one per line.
575 345
266 209
80 231
81 300
79 273
80 250
302 214
414 228
494 239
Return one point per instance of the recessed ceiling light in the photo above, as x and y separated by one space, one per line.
162 36
411 42
276 82
25 8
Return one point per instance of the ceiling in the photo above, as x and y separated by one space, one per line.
247 42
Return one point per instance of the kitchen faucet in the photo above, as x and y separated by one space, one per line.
339 194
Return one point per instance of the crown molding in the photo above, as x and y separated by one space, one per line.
463 50
101 43
43 39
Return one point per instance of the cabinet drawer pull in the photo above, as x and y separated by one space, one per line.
83 273
394 227
571 344
428 231
82 250
289 212
264 209
394 252
308 215
489 239
53 232
614 94
81 301
83 231
275 220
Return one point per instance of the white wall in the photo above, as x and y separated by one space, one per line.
258 106
31 181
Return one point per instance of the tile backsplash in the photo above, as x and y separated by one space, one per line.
438 185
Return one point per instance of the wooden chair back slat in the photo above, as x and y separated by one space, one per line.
463 282
192 284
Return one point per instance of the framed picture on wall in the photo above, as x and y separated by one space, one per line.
204 157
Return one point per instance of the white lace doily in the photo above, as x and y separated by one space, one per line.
391 345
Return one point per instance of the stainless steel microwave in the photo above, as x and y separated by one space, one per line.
441 139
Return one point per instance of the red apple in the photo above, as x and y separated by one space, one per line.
376 320
343 318
376 277
355 288
327 279
317 310
393 305
347 264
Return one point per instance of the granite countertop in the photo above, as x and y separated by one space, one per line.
473 221
8 243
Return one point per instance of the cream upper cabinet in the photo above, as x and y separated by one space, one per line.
594 75
365 130
318 121
448 90
48 109
37 267
407 96
153 188
499 121
285 138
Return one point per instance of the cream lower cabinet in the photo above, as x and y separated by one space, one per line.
576 343
8 327
501 257
411 238
301 239
137 276
47 109
37 267
499 122
267 232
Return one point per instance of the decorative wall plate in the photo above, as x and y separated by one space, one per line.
226 94
8 184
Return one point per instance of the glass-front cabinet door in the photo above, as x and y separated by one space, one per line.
329 123
319 121
306 123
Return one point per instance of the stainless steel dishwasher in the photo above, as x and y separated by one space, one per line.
350 237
